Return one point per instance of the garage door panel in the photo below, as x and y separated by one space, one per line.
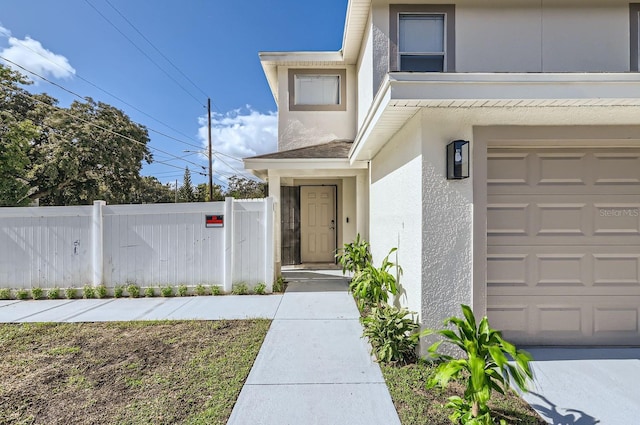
567 320
563 245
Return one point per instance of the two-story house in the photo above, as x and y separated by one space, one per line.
544 234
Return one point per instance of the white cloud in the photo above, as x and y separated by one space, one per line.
239 133
30 54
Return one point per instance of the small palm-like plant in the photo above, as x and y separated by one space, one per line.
354 256
372 286
392 333
487 367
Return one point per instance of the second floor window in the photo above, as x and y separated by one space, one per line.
317 90
421 42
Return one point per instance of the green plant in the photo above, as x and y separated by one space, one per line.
5 294
37 293
22 294
240 288
166 291
118 291
133 290
182 290
216 290
392 333
354 256
101 291
371 286
149 292
53 293
280 285
260 289
88 291
485 369
71 293
201 289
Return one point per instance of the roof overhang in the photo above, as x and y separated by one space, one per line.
354 29
402 95
260 166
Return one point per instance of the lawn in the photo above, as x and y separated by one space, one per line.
417 405
188 372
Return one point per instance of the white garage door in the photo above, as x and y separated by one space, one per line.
563 245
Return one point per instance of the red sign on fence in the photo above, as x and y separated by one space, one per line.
214 221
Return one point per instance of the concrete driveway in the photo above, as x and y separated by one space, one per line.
586 386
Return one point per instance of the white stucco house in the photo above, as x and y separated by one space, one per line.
544 234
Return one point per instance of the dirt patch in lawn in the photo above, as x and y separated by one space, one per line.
133 372
417 405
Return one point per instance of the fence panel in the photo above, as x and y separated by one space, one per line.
150 245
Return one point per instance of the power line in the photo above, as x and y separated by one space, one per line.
155 48
144 53
101 128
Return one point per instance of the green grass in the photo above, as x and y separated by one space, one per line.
167 372
418 406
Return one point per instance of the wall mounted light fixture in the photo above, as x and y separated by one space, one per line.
458 160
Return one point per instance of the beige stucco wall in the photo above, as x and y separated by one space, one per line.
305 128
395 209
525 36
365 86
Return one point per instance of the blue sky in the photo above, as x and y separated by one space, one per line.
214 43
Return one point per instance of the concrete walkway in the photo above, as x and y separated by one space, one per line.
586 386
314 367
119 309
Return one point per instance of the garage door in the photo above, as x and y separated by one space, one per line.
563 245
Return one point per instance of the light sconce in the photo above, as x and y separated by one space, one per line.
458 160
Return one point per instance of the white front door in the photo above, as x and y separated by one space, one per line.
318 224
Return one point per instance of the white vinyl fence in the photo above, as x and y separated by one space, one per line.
212 243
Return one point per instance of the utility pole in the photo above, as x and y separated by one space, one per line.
210 152
176 191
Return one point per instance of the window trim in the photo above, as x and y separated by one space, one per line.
342 81
634 25
448 10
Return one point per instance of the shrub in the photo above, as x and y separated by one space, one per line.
53 293
5 294
183 290
216 290
240 288
201 289
371 286
118 291
280 285
166 291
133 290
37 293
485 368
101 291
260 289
71 293
22 294
354 256
88 291
149 292
392 332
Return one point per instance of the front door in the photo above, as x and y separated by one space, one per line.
318 223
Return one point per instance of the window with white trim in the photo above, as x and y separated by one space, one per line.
317 89
421 42
634 25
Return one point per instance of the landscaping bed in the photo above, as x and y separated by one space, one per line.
164 372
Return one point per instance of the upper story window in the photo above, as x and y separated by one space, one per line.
634 13
422 38
317 90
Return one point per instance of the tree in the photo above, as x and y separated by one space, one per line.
202 193
151 191
66 156
186 192
244 188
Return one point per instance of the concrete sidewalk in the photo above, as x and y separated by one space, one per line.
120 309
314 367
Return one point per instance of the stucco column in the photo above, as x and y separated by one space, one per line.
274 193
362 204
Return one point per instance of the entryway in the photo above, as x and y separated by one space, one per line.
317 223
